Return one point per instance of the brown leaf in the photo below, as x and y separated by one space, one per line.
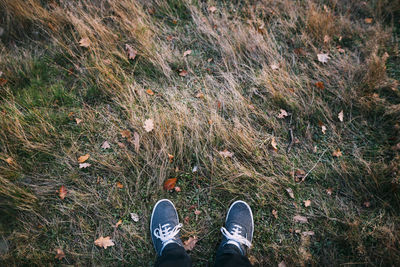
323 129
327 39
274 144
170 183
83 158
134 217
170 38
104 242
170 158
368 20
126 134
131 53
200 95
323 57
282 264
337 153
119 185
187 52
190 243
226 154
340 115
299 51
299 175
149 92
274 66
197 212
3 81
186 220
9 160
320 85
148 125
105 145
212 9
62 192
118 223
136 139
275 213
209 60
300 218
329 191
78 121
84 42
60 254
177 189
282 114
367 204
182 72
307 203
290 192
84 165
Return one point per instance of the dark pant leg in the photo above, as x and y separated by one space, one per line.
173 255
230 256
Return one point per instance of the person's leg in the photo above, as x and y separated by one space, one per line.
236 236
164 229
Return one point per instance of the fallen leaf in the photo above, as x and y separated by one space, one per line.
300 218
136 140
3 81
299 175
308 233
340 115
170 38
323 129
340 49
195 168
299 51
10 160
148 125
307 203
105 145
177 189
282 264
119 185
274 66
186 220
182 72
282 114
118 223
274 144
200 95
170 158
327 39
197 212
104 242
226 154
367 204
149 92
187 52
368 20
275 213
329 191
121 145
209 60
83 158
190 243
126 134
323 57
337 153
60 254
78 121
134 217
84 42
290 191
320 85
63 192
212 9
131 53
170 183
84 165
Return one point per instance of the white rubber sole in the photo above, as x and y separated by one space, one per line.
251 214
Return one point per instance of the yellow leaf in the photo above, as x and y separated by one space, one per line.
83 158
119 185
149 92
118 223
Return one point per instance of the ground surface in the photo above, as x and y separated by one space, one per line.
67 85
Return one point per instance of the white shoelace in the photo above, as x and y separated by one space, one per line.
166 234
235 236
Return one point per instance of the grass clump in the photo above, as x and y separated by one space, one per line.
60 100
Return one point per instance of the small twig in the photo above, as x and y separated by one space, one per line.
315 165
291 140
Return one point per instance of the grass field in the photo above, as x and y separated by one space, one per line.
74 74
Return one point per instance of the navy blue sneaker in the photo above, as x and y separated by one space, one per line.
164 225
239 227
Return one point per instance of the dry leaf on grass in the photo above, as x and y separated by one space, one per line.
307 203
274 66
290 191
84 165
275 213
226 154
62 192
119 185
197 212
9 160
323 57
308 233
118 223
320 85
340 115
3 81
149 92
329 191
105 145
170 158
368 20
78 121
323 129
274 144
131 53
190 243
60 254
200 95
170 183
134 217
212 9
299 218
136 139
177 189
283 113
104 242
282 264
337 153
182 72
83 158
84 42
148 125
187 52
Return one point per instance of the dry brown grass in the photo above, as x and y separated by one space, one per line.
51 76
